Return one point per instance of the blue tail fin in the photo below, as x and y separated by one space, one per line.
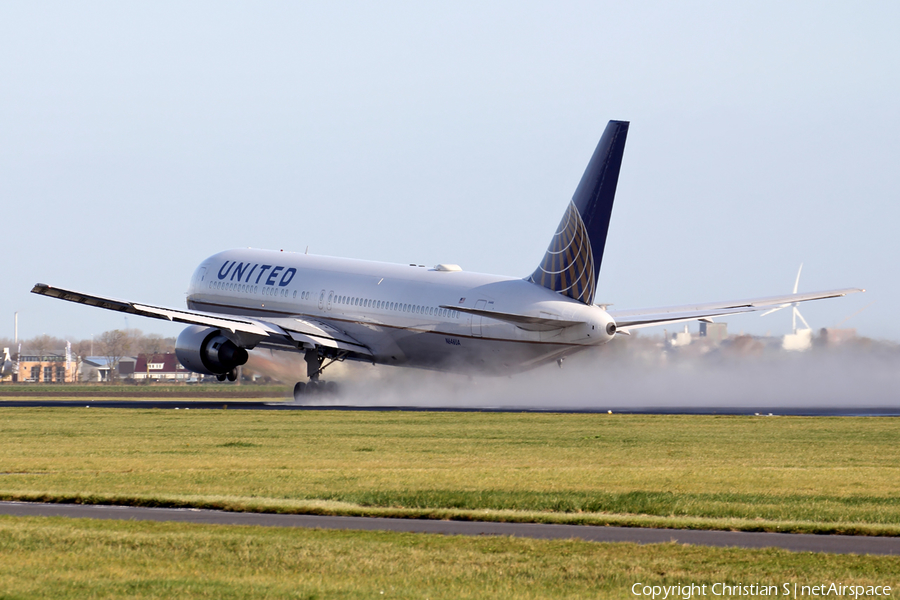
572 262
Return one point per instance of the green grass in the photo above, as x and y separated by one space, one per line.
754 473
74 558
138 388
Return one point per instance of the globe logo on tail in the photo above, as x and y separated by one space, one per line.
568 265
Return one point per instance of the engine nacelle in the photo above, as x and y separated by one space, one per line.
206 350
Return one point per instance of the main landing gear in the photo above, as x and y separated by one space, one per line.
304 390
315 387
231 375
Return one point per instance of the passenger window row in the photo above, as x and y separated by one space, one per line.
396 307
252 289
342 300
234 287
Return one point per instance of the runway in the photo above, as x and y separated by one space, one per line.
834 544
238 404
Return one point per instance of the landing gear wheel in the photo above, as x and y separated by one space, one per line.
231 375
314 388
221 376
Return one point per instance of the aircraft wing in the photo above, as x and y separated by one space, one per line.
232 323
648 317
275 332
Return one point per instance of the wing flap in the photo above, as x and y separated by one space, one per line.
212 320
320 333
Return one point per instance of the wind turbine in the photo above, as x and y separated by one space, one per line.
798 339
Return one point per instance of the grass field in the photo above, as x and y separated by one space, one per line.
754 473
139 390
74 558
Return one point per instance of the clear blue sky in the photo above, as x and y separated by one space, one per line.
137 139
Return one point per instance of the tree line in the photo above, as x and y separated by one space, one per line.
112 345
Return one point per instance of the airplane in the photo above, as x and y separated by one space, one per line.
441 318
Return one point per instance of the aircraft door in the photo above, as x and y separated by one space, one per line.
477 319
322 300
330 298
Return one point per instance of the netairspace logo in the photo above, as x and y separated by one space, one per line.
791 590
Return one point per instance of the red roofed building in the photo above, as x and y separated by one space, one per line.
159 367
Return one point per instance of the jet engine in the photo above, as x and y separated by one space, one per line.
206 350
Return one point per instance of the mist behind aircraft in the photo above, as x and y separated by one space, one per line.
853 380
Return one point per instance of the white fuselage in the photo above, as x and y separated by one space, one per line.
395 310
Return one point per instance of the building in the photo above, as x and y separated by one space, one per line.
716 332
158 367
96 368
798 341
681 338
832 336
47 368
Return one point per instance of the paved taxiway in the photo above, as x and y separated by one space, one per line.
237 404
795 542
835 544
